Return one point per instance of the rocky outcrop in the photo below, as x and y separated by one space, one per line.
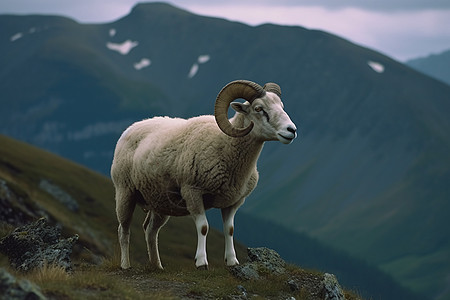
34 245
263 262
260 261
333 290
247 271
323 286
15 289
267 260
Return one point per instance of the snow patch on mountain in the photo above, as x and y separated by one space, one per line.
195 67
376 66
20 35
16 37
193 71
123 48
112 32
143 63
203 59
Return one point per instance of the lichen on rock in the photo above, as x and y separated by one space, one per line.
260 261
267 259
263 262
333 290
37 244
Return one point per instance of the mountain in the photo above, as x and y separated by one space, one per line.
368 174
434 65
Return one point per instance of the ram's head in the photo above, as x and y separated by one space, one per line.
263 109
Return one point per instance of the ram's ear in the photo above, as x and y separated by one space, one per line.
243 108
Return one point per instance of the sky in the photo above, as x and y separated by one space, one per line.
401 29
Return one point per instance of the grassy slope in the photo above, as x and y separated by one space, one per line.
95 222
23 166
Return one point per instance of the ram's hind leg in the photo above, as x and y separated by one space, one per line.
152 224
125 205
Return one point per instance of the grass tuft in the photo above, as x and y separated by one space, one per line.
112 263
48 273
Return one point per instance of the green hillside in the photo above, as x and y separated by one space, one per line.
368 175
97 273
23 167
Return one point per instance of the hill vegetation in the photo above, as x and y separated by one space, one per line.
97 273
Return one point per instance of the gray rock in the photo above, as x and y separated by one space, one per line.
333 290
319 287
36 244
267 258
247 271
293 285
261 261
243 291
14 289
242 294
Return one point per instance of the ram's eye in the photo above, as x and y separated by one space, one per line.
258 109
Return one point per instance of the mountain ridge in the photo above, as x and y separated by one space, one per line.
434 65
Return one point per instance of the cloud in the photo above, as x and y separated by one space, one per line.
90 11
400 34
399 28
109 10
379 5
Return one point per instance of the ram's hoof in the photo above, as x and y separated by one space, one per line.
153 268
231 262
203 268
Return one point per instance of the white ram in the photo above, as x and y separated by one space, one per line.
177 167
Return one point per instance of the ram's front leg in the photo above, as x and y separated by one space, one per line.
228 231
194 203
201 223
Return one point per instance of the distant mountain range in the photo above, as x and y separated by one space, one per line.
434 65
368 175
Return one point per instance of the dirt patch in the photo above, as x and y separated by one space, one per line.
148 285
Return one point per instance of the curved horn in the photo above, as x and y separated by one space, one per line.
236 89
273 87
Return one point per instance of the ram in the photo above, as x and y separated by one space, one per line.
178 167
